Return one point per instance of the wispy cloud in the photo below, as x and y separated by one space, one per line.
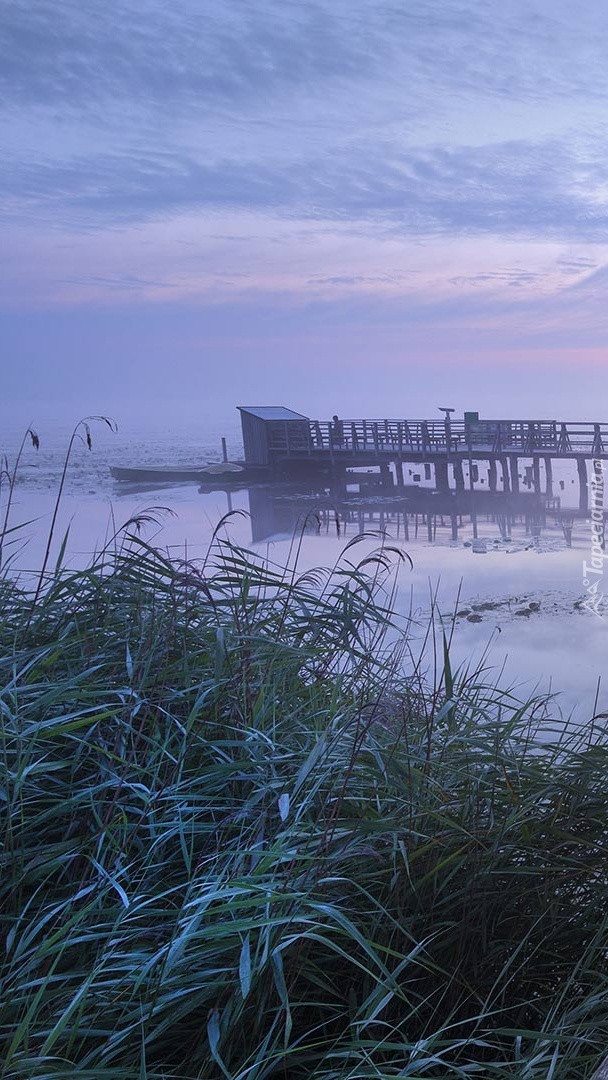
518 188
433 169
63 51
357 109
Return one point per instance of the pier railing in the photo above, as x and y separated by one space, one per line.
435 437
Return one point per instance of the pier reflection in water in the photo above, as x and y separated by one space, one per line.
523 599
522 616
412 514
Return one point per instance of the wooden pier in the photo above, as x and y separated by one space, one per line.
290 443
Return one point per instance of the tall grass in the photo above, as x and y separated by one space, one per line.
242 838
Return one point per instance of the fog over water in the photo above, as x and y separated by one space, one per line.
535 626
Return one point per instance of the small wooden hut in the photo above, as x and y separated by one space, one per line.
271 432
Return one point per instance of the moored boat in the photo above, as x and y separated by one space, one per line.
216 473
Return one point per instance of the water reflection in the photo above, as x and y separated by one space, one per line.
513 563
418 514
527 607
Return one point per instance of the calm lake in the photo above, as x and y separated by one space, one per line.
515 575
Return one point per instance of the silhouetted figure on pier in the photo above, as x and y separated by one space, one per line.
337 431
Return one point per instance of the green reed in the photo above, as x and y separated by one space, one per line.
242 837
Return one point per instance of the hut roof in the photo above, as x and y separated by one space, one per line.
272 412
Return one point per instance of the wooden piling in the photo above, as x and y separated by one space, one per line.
514 460
583 496
506 485
548 477
536 474
441 476
474 522
459 475
492 474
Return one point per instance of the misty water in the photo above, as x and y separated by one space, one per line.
519 587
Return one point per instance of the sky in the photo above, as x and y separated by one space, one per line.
356 206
